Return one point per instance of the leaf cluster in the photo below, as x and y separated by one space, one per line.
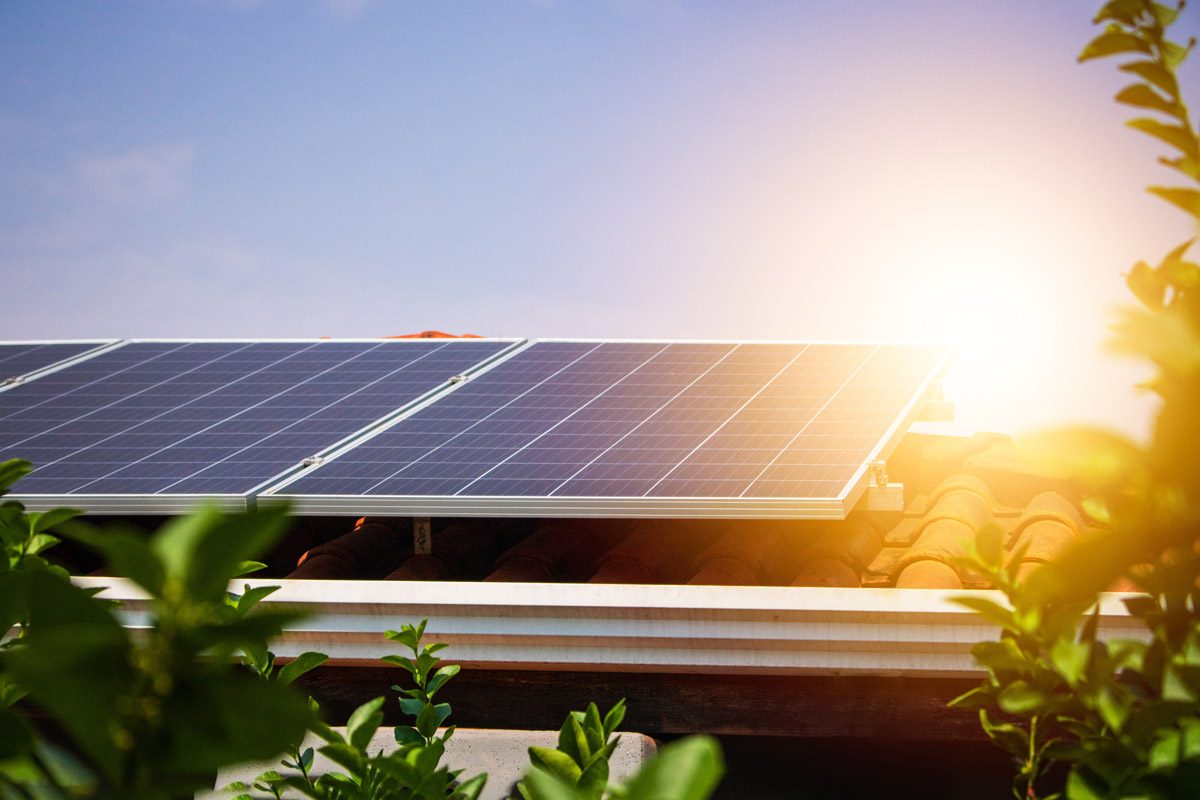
413 771
151 715
585 744
1122 717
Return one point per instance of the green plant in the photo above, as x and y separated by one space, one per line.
585 744
688 769
152 715
1122 717
414 771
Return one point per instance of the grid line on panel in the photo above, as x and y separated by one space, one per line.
213 418
482 420
649 417
81 387
717 430
18 359
312 414
247 376
549 430
808 423
119 400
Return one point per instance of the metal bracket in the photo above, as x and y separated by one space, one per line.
422 536
882 494
937 408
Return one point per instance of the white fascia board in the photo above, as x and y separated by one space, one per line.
639 628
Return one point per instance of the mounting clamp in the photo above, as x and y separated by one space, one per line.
937 408
882 494
422 536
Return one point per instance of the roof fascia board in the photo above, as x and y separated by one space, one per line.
637 628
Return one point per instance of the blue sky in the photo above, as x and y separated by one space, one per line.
613 168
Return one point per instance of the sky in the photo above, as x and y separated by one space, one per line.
858 171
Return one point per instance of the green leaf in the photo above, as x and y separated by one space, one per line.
990 610
247 568
440 677
1140 95
127 553
1070 659
301 664
978 697
11 471
1001 655
470 789
556 763
15 736
1126 11
545 786
344 755
1022 699
405 735
1186 199
427 721
1175 135
1114 705
1113 41
614 717
1168 338
209 724
204 550
1147 285
593 728
594 779
582 748
1164 753
49 519
687 769
1155 73
364 722
1006 736
252 596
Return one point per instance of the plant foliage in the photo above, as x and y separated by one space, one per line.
148 716
1122 718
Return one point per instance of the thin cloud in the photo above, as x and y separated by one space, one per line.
148 173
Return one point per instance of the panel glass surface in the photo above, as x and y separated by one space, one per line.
209 418
644 420
21 358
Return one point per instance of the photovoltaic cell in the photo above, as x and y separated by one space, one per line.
21 358
212 418
644 420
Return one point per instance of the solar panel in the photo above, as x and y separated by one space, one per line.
571 428
151 425
19 359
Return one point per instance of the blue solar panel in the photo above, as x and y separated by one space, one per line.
560 422
22 358
212 418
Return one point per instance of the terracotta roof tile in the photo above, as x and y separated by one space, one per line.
840 554
1050 523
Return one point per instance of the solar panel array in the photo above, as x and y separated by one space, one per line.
212 418
21 358
739 422
468 426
